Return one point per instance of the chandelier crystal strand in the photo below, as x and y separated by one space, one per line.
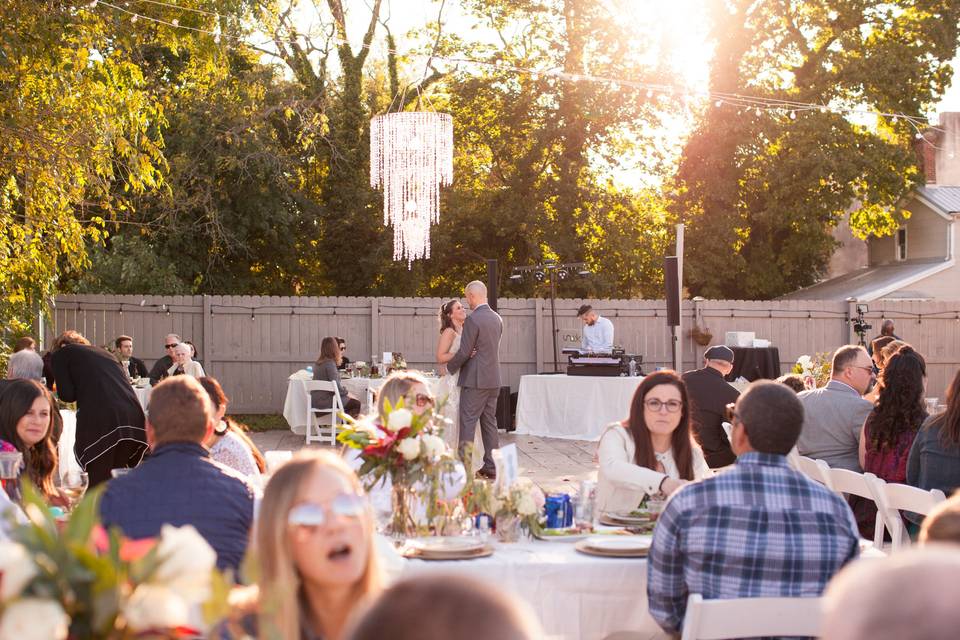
411 157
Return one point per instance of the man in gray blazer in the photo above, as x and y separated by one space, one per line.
834 415
478 361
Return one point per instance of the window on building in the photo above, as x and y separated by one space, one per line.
901 244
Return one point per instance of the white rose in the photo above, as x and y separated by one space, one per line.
34 619
433 446
527 505
409 448
16 569
186 562
153 606
399 419
805 362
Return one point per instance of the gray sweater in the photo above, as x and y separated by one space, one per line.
326 370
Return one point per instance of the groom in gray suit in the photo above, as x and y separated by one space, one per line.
478 361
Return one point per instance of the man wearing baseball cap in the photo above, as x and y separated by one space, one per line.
709 396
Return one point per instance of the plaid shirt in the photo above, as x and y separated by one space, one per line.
760 529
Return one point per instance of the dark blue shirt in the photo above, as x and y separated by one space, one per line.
179 484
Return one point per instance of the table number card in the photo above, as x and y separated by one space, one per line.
388 357
507 463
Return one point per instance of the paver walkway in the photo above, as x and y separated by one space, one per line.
554 464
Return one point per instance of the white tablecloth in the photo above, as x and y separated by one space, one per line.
295 403
572 407
68 437
143 395
574 596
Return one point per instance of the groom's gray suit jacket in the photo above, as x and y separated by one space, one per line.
481 331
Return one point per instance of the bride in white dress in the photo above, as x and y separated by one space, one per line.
452 316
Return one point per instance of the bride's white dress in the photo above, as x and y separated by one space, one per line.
451 409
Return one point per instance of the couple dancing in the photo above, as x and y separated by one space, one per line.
469 348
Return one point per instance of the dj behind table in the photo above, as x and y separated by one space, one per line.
615 364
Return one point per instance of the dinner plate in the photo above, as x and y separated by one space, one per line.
466 554
641 517
584 547
619 543
446 544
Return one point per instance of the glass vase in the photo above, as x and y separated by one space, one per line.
402 523
508 528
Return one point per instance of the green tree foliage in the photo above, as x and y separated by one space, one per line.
760 193
74 121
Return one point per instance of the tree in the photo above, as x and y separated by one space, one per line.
75 121
761 191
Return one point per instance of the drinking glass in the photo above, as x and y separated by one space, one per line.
73 485
10 464
931 405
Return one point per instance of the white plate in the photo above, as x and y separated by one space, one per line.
620 543
446 544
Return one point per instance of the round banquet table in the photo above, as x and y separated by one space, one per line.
572 407
295 402
754 363
574 595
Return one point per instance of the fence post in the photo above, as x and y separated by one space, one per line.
538 331
207 329
374 326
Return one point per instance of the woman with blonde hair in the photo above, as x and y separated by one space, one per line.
315 553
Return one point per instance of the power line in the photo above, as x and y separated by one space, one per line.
742 102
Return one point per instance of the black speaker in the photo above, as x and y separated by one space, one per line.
671 279
492 284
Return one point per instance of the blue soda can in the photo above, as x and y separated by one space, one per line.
559 511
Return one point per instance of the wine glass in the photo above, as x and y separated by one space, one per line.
73 485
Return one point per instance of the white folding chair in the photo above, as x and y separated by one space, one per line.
750 617
816 470
322 423
863 485
893 498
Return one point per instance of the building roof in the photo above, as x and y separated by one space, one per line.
945 198
871 283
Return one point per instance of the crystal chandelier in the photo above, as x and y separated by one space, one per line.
411 156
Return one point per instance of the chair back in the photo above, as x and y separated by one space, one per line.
750 617
322 422
816 470
893 498
862 485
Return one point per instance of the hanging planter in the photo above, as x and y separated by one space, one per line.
702 336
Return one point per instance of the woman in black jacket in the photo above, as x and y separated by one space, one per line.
110 421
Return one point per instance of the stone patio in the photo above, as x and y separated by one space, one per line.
556 465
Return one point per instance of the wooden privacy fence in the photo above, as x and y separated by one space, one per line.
253 343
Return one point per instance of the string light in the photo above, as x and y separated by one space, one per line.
722 98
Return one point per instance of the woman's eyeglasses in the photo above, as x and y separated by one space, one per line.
655 405
311 514
423 400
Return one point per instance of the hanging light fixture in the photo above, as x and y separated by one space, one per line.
411 157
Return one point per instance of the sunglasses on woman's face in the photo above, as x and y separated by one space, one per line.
312 514
423 400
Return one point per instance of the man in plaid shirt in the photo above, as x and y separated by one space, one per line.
761 529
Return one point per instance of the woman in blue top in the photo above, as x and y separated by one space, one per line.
934 460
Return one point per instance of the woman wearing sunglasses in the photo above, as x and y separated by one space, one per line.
314 551
651 452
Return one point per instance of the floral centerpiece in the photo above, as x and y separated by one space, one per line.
76 580
410 450
399 364
514 508
815 371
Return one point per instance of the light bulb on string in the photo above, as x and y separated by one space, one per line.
133 20
793 115
718 103
759 112
175 22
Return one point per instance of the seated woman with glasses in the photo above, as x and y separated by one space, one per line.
651 452
315 553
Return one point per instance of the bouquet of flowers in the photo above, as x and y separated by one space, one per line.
519 506
76 580
410 450
815 371
399 364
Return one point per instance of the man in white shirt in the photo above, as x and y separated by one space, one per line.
597 331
